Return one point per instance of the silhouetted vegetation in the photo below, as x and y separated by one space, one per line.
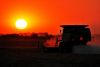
34 39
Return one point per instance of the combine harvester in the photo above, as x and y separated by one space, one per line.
71 35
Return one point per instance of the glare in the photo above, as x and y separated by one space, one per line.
21 24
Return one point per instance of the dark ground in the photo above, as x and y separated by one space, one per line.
32 57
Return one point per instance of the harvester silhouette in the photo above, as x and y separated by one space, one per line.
71 35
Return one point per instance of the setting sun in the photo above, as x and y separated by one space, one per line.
21 24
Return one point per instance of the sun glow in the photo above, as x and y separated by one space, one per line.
21 24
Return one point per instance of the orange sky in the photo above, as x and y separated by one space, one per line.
47 15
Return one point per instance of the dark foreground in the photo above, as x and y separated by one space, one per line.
29 57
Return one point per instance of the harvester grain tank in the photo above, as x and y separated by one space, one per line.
73 35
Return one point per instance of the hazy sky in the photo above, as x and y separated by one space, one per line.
47 15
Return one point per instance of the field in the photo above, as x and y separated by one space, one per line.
29 57
22 53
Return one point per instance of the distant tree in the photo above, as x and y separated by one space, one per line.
34 35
